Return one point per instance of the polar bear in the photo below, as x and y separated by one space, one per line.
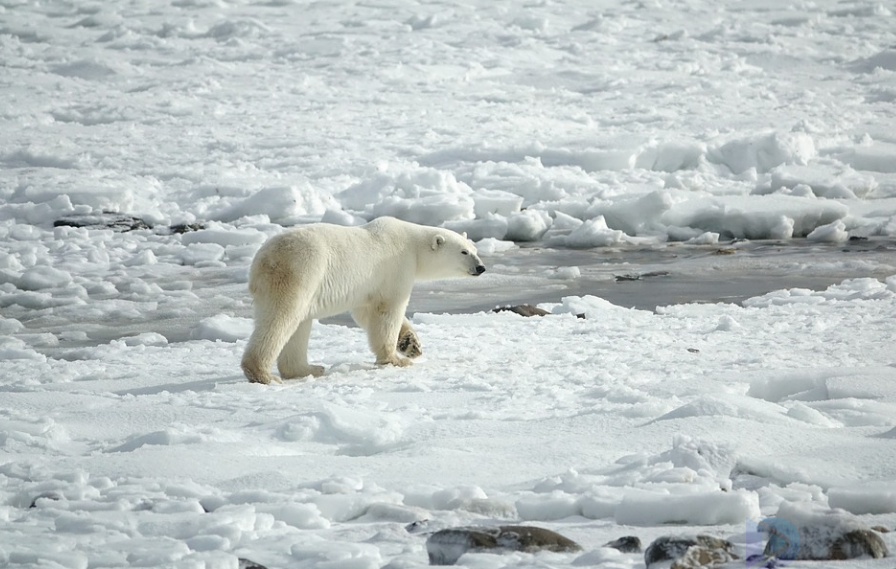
321 269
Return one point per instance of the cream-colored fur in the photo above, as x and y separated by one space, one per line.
321 270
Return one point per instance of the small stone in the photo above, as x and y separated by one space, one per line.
446 546
880 529
639 276
249 564
725 251
523 310
672 548
626 544
628 277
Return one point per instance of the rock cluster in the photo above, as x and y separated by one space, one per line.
119 222
446 546
799 532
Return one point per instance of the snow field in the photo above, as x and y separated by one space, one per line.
457 115
191 466
128 436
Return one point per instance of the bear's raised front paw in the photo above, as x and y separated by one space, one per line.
409 345
395 360
313 371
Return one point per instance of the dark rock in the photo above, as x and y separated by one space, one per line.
824 543
637 277
118 222
527 310
248 564
858 543
651 274
53 496
180 228
446 546
631 277
725 251
706 547
626 544
523 310
699 557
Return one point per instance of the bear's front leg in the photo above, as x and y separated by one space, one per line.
408 342
383 322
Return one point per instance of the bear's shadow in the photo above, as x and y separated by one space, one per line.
201 385
355 366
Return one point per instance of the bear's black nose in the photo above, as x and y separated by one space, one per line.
480 269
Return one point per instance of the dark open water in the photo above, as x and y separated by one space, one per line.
647 277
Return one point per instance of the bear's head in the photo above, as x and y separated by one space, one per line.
451 255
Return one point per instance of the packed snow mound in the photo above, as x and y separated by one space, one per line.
222 328
282 204
712 508
873 498
764 152
849 290
419 195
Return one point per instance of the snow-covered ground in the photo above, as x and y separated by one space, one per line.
698 142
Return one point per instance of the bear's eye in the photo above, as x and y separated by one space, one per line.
464 252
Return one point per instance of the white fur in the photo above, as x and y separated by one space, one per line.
322 269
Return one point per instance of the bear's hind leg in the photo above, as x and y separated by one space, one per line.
275 323
293 360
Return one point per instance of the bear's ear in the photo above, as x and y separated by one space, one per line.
437 242
464 234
